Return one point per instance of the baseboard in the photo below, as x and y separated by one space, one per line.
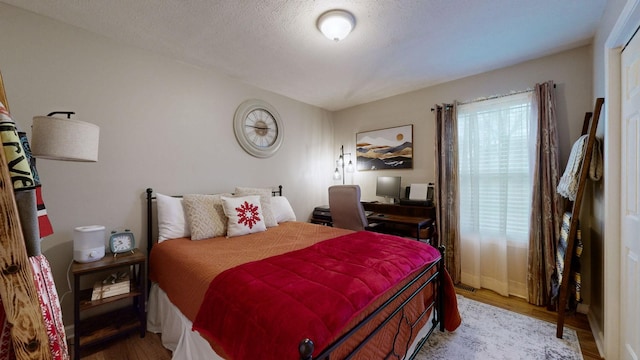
583 309
598 335
465 287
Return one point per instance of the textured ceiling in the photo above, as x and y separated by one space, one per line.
396 46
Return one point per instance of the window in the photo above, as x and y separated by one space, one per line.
495 161
495 177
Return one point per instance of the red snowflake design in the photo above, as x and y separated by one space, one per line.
248 214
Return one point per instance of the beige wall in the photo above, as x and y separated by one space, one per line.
163 124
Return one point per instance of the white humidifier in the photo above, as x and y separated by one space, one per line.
88 243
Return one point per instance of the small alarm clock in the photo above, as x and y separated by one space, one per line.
121 242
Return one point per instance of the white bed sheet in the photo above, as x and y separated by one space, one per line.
175 329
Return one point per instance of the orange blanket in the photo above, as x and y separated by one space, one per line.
183 268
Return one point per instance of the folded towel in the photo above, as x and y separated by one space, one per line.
568 184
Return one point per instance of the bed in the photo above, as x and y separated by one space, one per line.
289 290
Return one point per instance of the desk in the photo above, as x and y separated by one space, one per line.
419 223
404 220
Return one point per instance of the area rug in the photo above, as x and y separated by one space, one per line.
489 332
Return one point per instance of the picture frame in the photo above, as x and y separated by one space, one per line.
383 149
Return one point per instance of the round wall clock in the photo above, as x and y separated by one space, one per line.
258 128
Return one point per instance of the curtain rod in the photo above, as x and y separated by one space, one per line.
494 97
444 106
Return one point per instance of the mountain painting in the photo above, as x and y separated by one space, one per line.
390 148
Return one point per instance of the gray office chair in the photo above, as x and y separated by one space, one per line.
346 209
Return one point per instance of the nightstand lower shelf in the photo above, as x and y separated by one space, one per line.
86 302
121 322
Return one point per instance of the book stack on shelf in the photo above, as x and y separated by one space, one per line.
116 284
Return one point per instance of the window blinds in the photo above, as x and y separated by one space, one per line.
495 157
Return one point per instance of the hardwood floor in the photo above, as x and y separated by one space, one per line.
150 347
131 347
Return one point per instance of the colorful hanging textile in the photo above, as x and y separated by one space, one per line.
50 305
51 312
24 177
35 225
17 161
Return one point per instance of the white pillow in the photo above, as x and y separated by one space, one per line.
245 215
265 202
205 216
282 209
171 218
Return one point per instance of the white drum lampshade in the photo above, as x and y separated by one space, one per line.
64 139
88 243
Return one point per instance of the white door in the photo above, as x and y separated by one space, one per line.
630 203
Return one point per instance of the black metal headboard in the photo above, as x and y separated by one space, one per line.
151 197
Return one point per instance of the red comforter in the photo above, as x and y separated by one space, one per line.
263 309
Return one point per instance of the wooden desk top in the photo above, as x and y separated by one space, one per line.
401 210
400 219
419 223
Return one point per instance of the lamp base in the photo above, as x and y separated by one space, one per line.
88 255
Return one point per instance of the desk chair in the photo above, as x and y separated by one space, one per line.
346 209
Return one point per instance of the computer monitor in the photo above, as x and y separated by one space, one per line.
388 187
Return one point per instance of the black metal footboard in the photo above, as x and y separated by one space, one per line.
307 347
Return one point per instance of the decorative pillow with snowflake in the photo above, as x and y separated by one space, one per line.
265 202
245 215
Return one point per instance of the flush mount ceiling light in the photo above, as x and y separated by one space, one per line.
336 24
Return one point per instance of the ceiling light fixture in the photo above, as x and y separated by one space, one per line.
336 24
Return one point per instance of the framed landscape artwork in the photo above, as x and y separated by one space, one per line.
390 148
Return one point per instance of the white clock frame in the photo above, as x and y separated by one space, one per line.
239 123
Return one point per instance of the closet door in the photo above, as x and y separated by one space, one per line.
630 202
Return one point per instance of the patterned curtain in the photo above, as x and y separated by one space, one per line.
547 205
446 187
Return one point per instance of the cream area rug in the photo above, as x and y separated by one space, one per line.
489 332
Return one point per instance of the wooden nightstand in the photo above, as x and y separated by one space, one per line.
96 329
